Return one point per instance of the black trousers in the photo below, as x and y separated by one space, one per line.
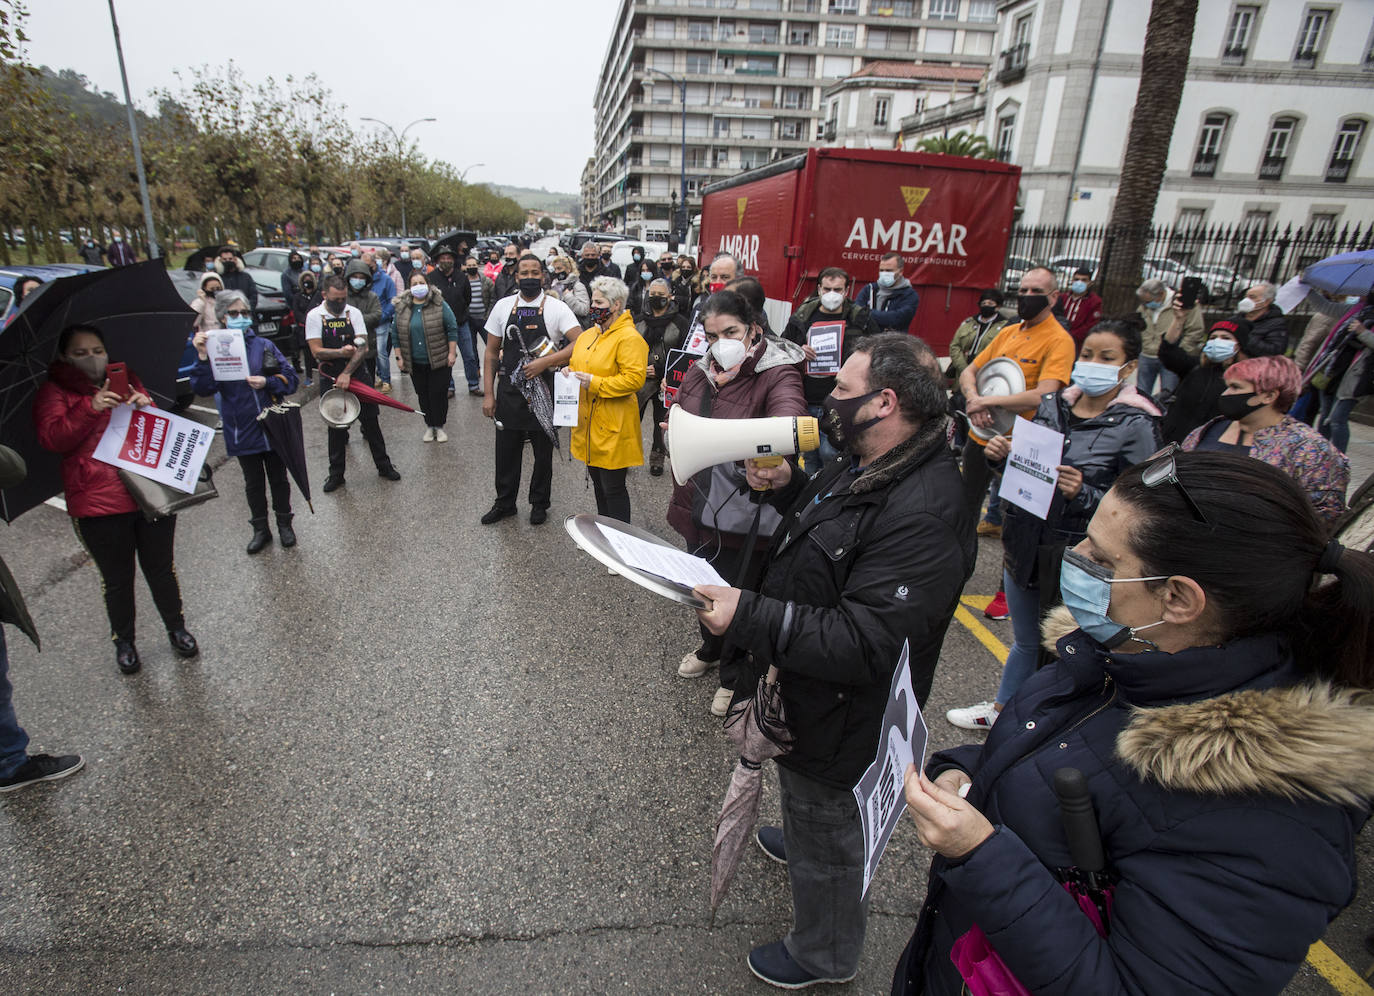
431 388
510 446
977 474
113 541
612 498
660 415
260 469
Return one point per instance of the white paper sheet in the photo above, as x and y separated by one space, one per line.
661 561
228 354
1031 474
566 388
1291 294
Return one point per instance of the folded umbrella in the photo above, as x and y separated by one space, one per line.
366 392
281 424
536 393
758 730
145 323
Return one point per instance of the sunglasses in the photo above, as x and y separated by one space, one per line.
1164 470
239 313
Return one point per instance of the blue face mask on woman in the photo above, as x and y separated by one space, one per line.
1087 592
1219 350
1096 379
239 322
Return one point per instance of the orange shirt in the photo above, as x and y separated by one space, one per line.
1043 351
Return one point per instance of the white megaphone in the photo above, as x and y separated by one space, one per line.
695 443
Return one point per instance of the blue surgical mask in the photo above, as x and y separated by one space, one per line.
239 322
886 278
1096 379
1351 300
1087 592
1154 305
1079 287
357 283
315 268
1219 350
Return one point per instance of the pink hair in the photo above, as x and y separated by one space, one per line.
1270 373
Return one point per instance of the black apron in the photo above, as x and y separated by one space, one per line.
336 332
512 410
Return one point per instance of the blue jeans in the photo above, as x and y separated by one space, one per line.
472 368
994 516
1024 605
384 352
14 742
1336 420
1148 371
827 452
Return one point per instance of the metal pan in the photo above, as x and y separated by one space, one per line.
1000 378
584 532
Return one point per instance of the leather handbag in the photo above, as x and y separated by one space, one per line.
158 501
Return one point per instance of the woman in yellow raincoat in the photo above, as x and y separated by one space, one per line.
610 360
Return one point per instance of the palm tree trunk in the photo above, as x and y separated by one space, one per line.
1163 70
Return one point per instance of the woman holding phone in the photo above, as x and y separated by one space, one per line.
70 414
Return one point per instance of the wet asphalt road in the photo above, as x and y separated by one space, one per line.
416 754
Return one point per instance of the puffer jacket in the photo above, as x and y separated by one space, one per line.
204 305
1268 335
768 383
1228 787
67 425
365 301
436 316
880 560
608 433
1102 447
239 405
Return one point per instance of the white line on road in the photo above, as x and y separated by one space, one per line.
57 502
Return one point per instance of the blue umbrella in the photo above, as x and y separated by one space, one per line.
1344 273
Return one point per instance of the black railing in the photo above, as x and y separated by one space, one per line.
1271 167
1307 57
1338 170
1234 56
1205 165
1229 258
1013 65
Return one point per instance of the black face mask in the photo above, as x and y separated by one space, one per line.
297 264
530 287
658 302
987 310
1236 406
838 421
335 307
1028 306
338 270
590 264
229 266
472 271
307 287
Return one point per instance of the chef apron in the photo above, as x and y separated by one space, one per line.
336 332
526 321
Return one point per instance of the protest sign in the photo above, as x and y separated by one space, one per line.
157 445
566 389
827 339
678 363
1032 467
228 354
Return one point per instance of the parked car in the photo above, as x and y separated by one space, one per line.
575 240
269 258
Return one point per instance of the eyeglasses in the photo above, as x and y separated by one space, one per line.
239 313
1164 470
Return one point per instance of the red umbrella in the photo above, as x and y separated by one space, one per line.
367 392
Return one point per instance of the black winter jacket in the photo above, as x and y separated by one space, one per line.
1268 335
1228 789
860 563
858 322
1195 399
457 291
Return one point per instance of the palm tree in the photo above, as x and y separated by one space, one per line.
1163 70
961 143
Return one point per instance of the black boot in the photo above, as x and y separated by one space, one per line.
126 656
261 535
285 534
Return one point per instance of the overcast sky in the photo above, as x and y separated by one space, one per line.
491 73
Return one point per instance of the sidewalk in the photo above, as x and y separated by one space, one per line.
1361 454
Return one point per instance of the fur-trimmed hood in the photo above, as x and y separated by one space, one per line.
1304 741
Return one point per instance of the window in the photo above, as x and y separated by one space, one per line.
939 41
726 31
763 65
982 11
752 158
765 4
882 106
836 34
664 27
791 129
1014 59
1191 219
796 98
1006 134
837 66
756 129
699 30
890 8
1322 227
698 94
1311 36
698 62
943 10
878 37
1343 152
799 36
722 127
661 59
696 158
725 63
1209 144
659 155
1256 222
1187 231
722 159
843 6
977 42
763 34
1276 148
1238 33
698 125
799 67
1021 30
694 185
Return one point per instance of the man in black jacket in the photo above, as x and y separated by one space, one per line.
873 553
1268 327
231 272
506 280
453 283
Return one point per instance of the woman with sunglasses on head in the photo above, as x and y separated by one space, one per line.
270 378
1212 688
1254 421
70 415
1107 426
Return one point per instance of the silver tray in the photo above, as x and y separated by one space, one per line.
1001 378
584 532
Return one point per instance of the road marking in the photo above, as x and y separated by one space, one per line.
1344 979
57 502
202 408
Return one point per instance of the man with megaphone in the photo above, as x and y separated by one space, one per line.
872 552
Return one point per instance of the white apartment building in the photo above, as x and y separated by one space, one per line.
1273 128
747 76
863 111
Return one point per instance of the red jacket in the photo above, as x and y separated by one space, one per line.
1081 314
66 424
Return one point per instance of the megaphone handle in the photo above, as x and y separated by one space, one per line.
767 461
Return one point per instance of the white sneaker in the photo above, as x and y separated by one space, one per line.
428 437
440 436
693 666
975 717
720 705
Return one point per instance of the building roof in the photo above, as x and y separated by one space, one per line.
921 71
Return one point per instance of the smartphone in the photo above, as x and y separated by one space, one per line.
1188 293
118 375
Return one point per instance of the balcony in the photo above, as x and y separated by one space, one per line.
1205 165
1233 57
1306 58
1271 167
1013 63
828 131
954 112
1338 170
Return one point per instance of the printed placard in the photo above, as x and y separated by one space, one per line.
827 339
674 372
228 354
566 390
157 445
1032 467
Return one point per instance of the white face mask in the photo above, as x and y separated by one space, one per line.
420 291
831 300
1246 306
729 353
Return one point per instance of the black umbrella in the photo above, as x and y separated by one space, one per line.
282 425
450 242
195 263
145 323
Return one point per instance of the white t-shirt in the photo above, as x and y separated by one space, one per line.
314 321
558 317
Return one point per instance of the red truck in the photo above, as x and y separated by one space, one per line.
949 217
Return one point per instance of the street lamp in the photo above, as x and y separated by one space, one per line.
679 229
463 178
400 149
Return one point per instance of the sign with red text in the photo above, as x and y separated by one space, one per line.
157 445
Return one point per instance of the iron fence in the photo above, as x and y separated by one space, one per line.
1228 258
